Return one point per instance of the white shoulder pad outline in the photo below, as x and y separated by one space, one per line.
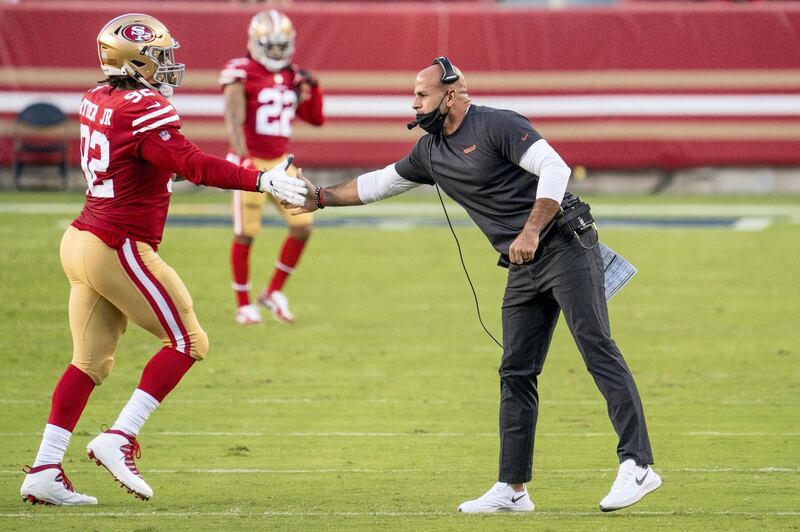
234 70
151 111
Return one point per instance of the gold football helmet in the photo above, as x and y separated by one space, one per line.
141 47
271 39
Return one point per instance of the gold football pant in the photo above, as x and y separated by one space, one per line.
108 287
247 206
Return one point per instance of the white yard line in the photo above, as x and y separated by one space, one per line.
739 434
40 208
270 471
33 514
753 217
752 224
540 471
702 210
359 434
367 471
421 402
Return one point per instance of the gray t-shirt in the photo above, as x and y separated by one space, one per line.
477 166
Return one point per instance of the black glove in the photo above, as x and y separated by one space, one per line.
301 75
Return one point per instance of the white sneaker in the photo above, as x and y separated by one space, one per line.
633 482
278 304
248 315
500 498
48 484
115 450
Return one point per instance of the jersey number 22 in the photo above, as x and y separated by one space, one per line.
274 115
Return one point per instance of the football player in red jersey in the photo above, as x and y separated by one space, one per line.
131 146
263 93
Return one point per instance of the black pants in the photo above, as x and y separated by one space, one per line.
564 277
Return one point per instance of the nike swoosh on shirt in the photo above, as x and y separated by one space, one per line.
156 104
515 499
525 137
470 149
639 481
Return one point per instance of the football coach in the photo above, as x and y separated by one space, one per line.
495 165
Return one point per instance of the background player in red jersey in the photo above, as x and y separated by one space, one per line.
263 93
131 146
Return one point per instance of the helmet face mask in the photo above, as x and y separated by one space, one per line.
141 47
167 72
271 39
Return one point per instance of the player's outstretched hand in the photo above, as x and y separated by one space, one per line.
310 204
282 186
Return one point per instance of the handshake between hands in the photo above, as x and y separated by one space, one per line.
290 191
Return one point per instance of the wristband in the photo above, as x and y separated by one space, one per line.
319 199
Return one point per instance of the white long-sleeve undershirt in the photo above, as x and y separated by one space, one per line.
540 159
553 172
382 184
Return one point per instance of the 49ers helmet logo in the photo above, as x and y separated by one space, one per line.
138 33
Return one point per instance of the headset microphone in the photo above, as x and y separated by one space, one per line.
412 124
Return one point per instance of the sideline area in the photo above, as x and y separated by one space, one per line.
211 208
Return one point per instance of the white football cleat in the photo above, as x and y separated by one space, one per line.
48 484
633 482
500 498
277 302
115 450
248 315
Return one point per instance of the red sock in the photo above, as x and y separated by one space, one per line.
69 398
240 265
287 260
164 372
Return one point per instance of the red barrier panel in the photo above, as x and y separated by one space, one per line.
636 85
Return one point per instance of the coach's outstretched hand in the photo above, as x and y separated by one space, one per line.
310 204
287 189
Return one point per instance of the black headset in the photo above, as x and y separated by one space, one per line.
449 75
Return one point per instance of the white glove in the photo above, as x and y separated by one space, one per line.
281 185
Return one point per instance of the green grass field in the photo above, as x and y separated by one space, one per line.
378 408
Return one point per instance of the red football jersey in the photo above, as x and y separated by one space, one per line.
272 103
131 147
